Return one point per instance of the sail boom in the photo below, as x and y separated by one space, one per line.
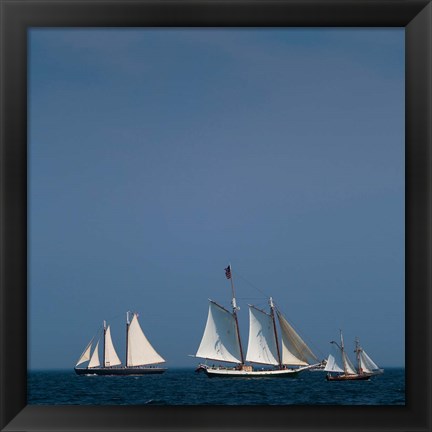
263 363
218 359
152 363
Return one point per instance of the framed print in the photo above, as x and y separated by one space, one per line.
159 154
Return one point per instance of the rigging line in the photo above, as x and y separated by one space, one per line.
249 298
252 285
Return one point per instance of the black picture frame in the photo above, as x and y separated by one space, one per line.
18 16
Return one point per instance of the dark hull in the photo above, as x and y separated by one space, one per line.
120 371
362 377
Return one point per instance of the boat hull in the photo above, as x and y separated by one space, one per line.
222 372
357 377
123 371
251 374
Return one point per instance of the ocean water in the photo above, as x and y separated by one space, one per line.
186 387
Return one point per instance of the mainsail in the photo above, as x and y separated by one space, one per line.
140 352
94 361
111 357
220 340
294 349
348 366
262 345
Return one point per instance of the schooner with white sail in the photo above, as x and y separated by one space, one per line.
221 341
343 370
140 354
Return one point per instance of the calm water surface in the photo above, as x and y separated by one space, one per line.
185 387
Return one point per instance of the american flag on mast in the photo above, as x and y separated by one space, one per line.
228 272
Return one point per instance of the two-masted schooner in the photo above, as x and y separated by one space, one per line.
366 367
140 354
221 342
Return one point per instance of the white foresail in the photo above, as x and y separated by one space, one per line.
367 364
140 351
262 345
94 361
220 339
85 356
111 357
294 349
331 365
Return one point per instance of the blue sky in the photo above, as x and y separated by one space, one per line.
157 156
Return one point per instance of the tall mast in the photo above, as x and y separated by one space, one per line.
104 345
228 274
127 336
275 331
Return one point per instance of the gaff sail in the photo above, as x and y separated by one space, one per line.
262 344
220 340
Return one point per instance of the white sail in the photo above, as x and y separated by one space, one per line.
111 357
140 351
347 364
220 340
367 364
331 365
94 361
85 356
294 349
262 345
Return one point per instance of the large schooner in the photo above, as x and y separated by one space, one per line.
140 354
365 365
221 342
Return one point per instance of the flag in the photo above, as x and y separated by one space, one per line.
228 272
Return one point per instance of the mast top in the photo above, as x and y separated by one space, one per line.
228 275
271 302
341 337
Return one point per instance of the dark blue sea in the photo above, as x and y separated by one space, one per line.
186 387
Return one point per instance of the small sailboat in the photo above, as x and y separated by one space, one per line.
221 341
140 354
365 369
